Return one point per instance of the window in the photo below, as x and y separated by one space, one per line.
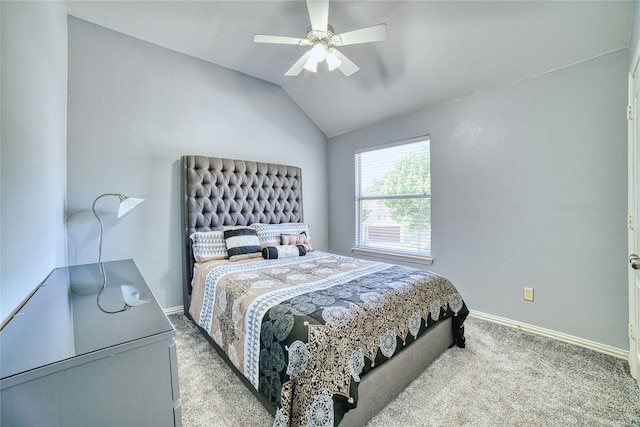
393 200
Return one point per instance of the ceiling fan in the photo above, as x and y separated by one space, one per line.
323 41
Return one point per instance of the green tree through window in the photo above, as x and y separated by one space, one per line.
411 175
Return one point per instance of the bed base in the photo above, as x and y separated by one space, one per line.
396 373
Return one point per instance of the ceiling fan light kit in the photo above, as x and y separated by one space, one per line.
332 60
322 39
319 52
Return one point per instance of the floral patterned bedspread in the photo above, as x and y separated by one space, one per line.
303 330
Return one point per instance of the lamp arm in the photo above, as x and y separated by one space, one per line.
104 274
103 286
93 208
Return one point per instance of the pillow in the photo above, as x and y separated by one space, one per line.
296 239
269 234
208 245
283 251
242 243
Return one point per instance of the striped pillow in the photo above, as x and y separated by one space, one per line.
242 242
208 245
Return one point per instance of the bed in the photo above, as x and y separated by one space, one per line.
321 339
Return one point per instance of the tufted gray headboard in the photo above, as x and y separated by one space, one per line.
218 192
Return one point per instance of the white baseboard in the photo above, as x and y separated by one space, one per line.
174 310
592 345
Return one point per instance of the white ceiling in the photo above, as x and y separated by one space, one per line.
435 51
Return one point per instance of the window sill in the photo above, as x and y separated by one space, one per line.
393 256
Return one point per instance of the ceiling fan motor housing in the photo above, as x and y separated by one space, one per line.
314 36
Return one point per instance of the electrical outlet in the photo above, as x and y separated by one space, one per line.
528 294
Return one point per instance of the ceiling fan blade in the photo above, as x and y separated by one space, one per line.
318 14
299 65
262 38
376 33
347 67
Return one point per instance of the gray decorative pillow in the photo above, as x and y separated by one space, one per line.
208 245
269 234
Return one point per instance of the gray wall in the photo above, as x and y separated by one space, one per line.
529 189
33 146
134 109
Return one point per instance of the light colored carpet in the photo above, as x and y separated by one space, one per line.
505 377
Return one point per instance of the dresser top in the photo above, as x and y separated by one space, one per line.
61 320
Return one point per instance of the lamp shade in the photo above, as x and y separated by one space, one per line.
332 60
311 66
318 53
126 204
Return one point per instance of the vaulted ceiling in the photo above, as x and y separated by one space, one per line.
435 50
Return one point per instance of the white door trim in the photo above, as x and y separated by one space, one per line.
633 212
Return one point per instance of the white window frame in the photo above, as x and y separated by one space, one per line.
387 254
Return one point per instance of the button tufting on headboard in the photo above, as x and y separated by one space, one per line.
219 187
